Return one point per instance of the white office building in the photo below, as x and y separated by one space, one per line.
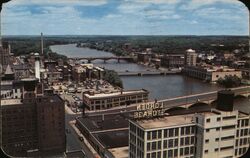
214 134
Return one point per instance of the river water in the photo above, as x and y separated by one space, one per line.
160 87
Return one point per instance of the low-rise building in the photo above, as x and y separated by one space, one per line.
211 73
100 101
144 57
173 60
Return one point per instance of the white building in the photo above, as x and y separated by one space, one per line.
203 135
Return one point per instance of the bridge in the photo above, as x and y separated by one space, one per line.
187 101
146 73
90 59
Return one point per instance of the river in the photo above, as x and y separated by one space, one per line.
160 87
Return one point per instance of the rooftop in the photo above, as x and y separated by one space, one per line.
120 152
104 95
165 121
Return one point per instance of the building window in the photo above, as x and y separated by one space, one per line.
218 119
206 151
216 149
207 130
208 120
207 140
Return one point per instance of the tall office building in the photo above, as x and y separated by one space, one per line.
34 124
219 133
190 57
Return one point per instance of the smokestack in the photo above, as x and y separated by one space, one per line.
41 43
37 66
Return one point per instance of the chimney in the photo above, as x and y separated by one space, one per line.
225 100
41 43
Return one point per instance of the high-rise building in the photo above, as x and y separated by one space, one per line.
33 125
190 57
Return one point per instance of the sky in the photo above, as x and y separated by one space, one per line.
124 17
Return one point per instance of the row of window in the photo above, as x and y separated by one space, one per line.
174 132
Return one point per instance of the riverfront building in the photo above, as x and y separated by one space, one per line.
173 60
211 73
100 101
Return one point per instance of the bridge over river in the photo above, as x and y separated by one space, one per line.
90 59
178 102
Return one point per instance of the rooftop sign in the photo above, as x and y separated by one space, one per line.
149 110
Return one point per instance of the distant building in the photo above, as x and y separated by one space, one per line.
109 100
5 54
144 57
210 73
173 60
34 124
190 57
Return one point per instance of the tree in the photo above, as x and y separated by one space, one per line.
230 81
113 78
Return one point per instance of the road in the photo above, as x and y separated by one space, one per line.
72 138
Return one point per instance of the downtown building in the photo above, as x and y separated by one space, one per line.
221 132
33 125
101 101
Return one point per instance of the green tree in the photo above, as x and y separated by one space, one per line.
230 81
113 78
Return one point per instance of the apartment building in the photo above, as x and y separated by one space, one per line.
100 101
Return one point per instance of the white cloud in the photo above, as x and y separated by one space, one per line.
216 13
58 2
156 1
194 4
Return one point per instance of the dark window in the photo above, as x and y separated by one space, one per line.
170 143
154 133
218 119
153 145
208 120
159 145
207 140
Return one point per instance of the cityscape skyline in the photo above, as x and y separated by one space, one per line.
108 17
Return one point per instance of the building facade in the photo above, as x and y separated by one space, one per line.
109 100
210 74
173 60
190 57
33 124
203 135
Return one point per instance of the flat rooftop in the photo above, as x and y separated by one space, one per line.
113 139
167 121
105 95
104 122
